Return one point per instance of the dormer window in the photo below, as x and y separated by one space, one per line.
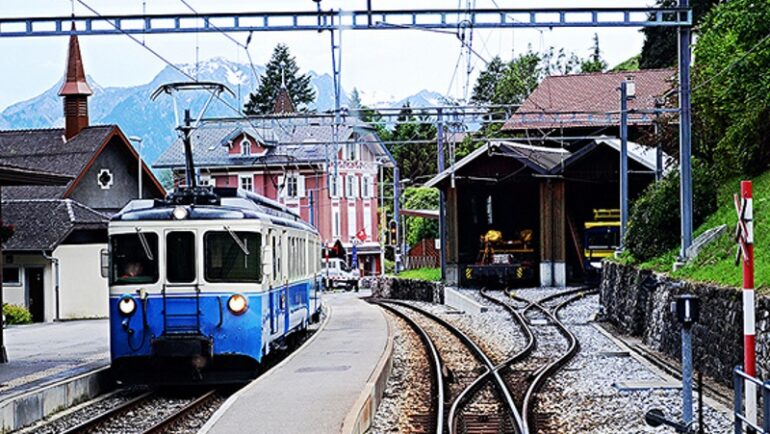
246 148
351 151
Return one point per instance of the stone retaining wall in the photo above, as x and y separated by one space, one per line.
407 289
638 303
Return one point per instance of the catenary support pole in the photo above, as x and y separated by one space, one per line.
441 198
623 162
3 352
397 214
687 414
383 219
749 324
685 165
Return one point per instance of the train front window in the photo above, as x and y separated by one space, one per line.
180 257
233 256
134 258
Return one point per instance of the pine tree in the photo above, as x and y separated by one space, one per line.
282 68
484 90
594 63
355 100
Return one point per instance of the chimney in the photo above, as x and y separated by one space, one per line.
75 91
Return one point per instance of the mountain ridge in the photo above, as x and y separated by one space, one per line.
130 106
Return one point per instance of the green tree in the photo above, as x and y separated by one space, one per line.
355 100
731 98
594 62
416 160
420 228
660 43
282 68
485 87
653 226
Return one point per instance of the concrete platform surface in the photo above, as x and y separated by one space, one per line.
41 354
314 390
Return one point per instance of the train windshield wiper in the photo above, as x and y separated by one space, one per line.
238 241
145 244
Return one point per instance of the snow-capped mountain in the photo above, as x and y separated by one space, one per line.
131 108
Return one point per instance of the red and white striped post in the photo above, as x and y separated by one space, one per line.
746 240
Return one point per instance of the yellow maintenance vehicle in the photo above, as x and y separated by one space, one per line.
601 237
501 262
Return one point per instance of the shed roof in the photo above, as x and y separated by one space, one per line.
553 161
590 100
42 224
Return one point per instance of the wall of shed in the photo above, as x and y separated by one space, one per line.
83 291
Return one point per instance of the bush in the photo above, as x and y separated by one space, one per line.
15 314
654 224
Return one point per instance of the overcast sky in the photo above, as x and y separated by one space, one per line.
394 63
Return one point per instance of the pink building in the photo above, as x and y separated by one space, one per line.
291 159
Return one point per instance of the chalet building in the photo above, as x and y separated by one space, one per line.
290 159
516 209
52 260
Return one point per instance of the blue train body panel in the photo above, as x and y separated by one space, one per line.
269 316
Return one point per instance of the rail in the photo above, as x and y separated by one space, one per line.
479 381
436 366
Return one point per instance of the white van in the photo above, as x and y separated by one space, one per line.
337 274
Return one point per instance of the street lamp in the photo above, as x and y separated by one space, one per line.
139 149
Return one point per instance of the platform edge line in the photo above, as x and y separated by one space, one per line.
352 424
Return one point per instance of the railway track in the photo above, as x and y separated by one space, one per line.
124 414
544 353
432 420
478 400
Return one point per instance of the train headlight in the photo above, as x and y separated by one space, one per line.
237 304
127 305
179 213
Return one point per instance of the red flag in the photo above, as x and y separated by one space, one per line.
361 235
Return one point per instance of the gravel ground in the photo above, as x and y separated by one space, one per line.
195 421
69 418
494 330
583 396
408 390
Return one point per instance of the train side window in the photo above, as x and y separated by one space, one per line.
230 260
180 257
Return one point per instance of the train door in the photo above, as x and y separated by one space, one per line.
275 295
181 291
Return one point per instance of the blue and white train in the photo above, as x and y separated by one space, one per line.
204 284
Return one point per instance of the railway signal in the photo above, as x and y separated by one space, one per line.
744 234
393 233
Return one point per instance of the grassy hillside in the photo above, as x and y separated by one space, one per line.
716 263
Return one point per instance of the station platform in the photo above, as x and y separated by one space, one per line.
320 385
41 354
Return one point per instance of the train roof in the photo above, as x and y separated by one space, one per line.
213 203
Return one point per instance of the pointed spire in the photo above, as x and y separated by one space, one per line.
75 80
75 91
283 102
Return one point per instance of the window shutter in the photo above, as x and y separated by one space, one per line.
355 186
281 187
300 186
